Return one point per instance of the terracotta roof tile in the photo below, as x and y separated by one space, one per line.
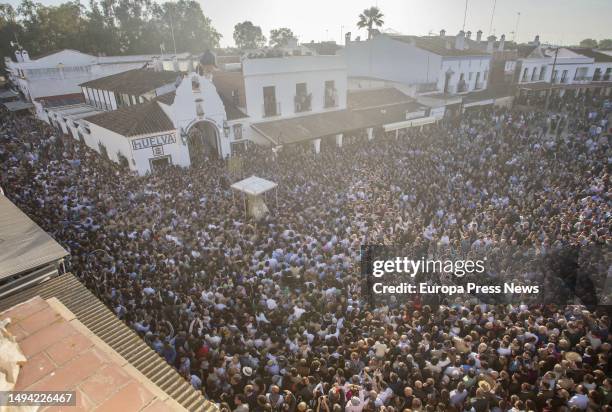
133 82
136 120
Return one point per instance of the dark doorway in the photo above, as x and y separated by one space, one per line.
159 163
202 142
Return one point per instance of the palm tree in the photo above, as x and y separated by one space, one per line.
370 17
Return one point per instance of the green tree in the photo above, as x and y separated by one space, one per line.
589 43
248 36
605 44
280 37
369 18
193 31
10 31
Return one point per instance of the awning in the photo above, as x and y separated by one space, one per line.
409 123
23 244
18 105
303 128
254 186
8 94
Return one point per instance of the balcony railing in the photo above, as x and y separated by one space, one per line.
331 99
271 109
303 102
583 79
427 87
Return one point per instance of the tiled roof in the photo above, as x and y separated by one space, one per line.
302 128
62 354
594 54
45 330
135 120
368 98
61 100
167 98
438 45
133 82
228 83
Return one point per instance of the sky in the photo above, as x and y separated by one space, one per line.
556 21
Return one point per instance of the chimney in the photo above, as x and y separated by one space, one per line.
158 65
468 35
460 40
502 41
347 37
479 36
25 55
536 41
490 43
442 33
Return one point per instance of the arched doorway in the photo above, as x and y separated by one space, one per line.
203 143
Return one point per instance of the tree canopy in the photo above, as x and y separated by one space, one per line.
280 37
369 18
107 27
590 43
248 36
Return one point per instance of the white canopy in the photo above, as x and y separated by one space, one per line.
254 186
422 121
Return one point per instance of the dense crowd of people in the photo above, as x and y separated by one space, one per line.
270 315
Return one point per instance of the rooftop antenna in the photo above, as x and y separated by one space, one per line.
465 14
515 32
492 14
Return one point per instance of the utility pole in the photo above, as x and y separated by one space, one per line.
552 79
465 14
515 34
492 14
172 30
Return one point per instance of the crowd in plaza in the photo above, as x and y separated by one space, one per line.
271 315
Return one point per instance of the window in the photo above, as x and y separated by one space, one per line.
331 95
302 98
542 73
486 75
470 76
555 75
270 106
237 131
524 79
564 76
533 74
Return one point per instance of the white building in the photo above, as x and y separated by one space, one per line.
443 64
541 68
147 118
56 76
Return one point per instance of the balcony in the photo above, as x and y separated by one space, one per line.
462 87
303 102
331 98
582 79
271 109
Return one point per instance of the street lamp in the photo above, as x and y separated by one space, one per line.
552 79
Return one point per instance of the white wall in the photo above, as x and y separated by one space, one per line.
465 65
184 114
385 58
284 73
